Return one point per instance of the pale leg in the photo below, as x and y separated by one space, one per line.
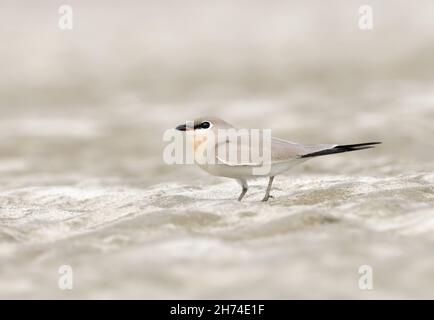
267 194
245 187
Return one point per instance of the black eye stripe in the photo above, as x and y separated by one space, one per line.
203 125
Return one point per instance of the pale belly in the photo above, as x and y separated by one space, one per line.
238 171
249 172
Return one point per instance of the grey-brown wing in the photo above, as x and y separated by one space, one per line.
245 153
283 150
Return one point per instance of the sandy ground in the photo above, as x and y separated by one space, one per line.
83 183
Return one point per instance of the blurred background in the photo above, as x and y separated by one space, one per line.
82 181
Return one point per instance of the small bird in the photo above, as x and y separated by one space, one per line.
283 156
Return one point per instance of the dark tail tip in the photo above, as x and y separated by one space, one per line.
358 145
342 148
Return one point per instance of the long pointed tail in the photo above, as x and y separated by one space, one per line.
342 148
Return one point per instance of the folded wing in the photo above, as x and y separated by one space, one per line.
249 154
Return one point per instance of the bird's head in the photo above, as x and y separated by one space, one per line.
201 128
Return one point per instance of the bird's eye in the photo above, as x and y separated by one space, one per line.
205 125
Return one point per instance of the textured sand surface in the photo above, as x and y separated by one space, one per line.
83 183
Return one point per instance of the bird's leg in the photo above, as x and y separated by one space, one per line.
267 193
245 187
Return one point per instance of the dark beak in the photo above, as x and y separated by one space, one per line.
181 127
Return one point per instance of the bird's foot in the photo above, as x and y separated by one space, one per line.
267 197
